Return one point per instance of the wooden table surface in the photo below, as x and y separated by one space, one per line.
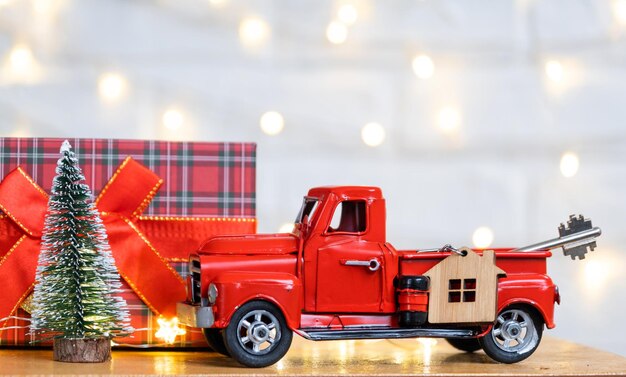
361 357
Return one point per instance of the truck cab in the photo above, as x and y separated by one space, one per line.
335 276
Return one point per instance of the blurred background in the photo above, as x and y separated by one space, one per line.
486 123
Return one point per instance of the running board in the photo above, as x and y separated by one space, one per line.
384 333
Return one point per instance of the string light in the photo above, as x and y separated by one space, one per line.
449 119
272 123
347 14
44 6
169 330
337 32
253 32
21 59
597 272
373 134
619 11
173 119
569 164
423 66
218 3
112 86
482 237
554 70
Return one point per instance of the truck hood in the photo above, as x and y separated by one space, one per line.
251 244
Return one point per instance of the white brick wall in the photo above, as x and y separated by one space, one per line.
501 170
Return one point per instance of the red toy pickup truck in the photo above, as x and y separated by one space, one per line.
336 277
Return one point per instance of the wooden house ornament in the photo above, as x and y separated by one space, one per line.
464 288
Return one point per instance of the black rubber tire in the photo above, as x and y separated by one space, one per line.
215 339
417 282
248 357
465 344
496 351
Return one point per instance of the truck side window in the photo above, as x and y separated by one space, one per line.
349 217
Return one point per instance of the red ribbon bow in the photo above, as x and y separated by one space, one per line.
125 196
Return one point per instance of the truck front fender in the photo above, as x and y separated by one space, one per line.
236 288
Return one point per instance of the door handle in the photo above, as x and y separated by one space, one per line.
372 264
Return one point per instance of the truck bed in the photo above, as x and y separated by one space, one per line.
412 262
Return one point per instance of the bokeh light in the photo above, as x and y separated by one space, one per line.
347 14
373 134
272 123
112 86
173 118
449 119
337 32
254 32
482 237
554 70
569 164
423 66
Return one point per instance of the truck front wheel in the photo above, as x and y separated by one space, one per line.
515 334
215 339
257 335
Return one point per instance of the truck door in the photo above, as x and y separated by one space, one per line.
350 269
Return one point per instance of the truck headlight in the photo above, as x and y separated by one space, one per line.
212 293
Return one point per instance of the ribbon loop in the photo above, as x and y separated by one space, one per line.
130 189
24 202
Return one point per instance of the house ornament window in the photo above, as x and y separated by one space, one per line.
462 290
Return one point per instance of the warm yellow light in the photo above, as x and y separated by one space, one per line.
44 6
569 164
373 134
598 273
554 70
112 86
336 32
280 365
272 123
427 342
423 66
449 119
4 3
619 11
21 130
482 237
347 14
173 119
218 3
169 330
286 228
21 59
253 31
427 349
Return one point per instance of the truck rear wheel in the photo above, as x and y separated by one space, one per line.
515 334
257 335
465 344
215 339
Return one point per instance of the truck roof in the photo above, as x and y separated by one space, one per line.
365 192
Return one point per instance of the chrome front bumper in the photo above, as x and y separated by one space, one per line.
195 315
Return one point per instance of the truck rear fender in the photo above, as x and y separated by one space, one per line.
535 290
236 288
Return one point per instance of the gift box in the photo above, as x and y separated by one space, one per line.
158 200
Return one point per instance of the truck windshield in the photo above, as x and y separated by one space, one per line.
308 208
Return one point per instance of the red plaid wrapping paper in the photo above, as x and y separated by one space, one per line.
214 180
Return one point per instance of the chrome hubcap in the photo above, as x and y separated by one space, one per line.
514 331
258 332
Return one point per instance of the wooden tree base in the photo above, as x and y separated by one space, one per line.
82 350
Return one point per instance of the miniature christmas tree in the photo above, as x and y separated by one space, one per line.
76 279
